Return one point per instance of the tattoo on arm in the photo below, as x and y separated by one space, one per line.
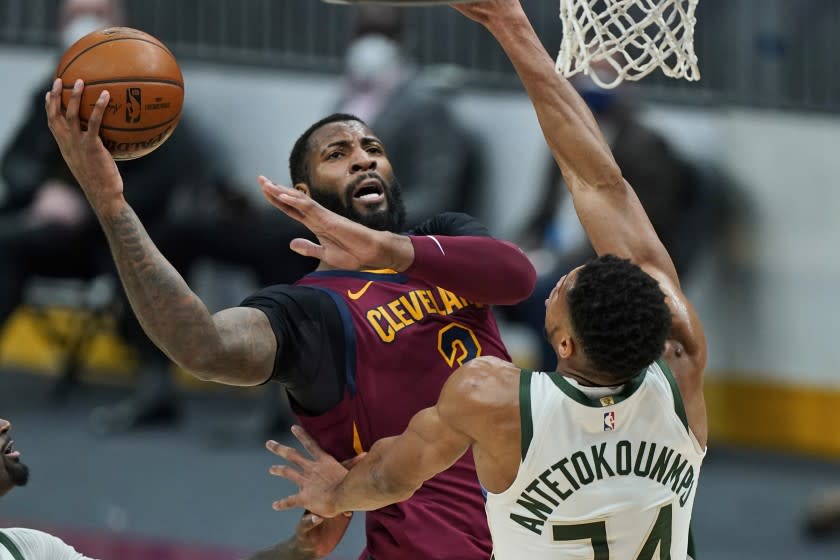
176 319
171 314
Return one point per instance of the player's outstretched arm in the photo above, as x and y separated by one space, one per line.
451 262
235 346
396 467
607 206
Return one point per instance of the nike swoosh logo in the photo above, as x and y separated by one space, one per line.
356 295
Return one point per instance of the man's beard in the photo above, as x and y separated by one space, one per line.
392 218
18 472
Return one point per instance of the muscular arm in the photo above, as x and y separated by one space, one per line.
435 438
606 204
235 346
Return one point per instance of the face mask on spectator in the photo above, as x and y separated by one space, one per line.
80 26
372 58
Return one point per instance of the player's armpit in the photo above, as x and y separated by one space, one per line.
243 352
686 351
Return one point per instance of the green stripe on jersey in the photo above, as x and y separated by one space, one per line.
679 407
526 422
10 546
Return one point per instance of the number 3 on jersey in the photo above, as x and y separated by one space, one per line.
458 344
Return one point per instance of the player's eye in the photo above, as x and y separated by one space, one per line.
334 155
374 150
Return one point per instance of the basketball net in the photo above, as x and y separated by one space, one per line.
627 39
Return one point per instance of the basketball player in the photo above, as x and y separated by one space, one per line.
17 543
600 458
358 352
312 535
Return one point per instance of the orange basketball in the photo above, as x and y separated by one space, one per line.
143 78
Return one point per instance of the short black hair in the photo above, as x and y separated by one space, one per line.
619 316
298 159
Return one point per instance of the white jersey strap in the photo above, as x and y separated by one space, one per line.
6 542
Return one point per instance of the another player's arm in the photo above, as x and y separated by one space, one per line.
607 206
315 538
451 262
395 467
235 346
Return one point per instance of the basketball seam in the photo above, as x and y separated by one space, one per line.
103 127
75 58
134 79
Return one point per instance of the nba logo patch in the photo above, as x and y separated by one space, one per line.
609 421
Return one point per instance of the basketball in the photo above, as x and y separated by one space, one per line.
143 78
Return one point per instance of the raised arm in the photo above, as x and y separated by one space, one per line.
609 210
451 262
235 346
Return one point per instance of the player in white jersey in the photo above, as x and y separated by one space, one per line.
313 535
600 459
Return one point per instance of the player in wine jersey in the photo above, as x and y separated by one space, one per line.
600 459
361 345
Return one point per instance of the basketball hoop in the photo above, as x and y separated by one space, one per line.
630 37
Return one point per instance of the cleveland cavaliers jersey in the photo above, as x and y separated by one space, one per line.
403 339
610 477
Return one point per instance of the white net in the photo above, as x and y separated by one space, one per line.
617 40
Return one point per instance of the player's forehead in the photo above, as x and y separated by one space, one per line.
338 132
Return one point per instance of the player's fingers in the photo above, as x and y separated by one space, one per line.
285 471
307 248
290 211
290 454
287 503
53 104
72 114
276 190
311 520
308 443
98 112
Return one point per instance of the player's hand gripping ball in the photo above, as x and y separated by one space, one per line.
143 78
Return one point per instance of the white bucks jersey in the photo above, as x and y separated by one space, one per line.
610 478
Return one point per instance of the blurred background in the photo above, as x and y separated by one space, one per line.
739 172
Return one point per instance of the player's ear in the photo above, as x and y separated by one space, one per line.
303 187
565 347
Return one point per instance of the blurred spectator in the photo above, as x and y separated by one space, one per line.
679 198
46 226
438 159
181 193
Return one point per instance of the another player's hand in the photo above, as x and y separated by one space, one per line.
90 162
318 536
342 243
483 12
316 478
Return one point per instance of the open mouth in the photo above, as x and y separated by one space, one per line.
9 450
369 191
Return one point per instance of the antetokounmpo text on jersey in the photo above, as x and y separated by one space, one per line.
659 463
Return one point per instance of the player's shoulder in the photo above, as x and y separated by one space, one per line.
452 224
483 379
483 388
279 293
